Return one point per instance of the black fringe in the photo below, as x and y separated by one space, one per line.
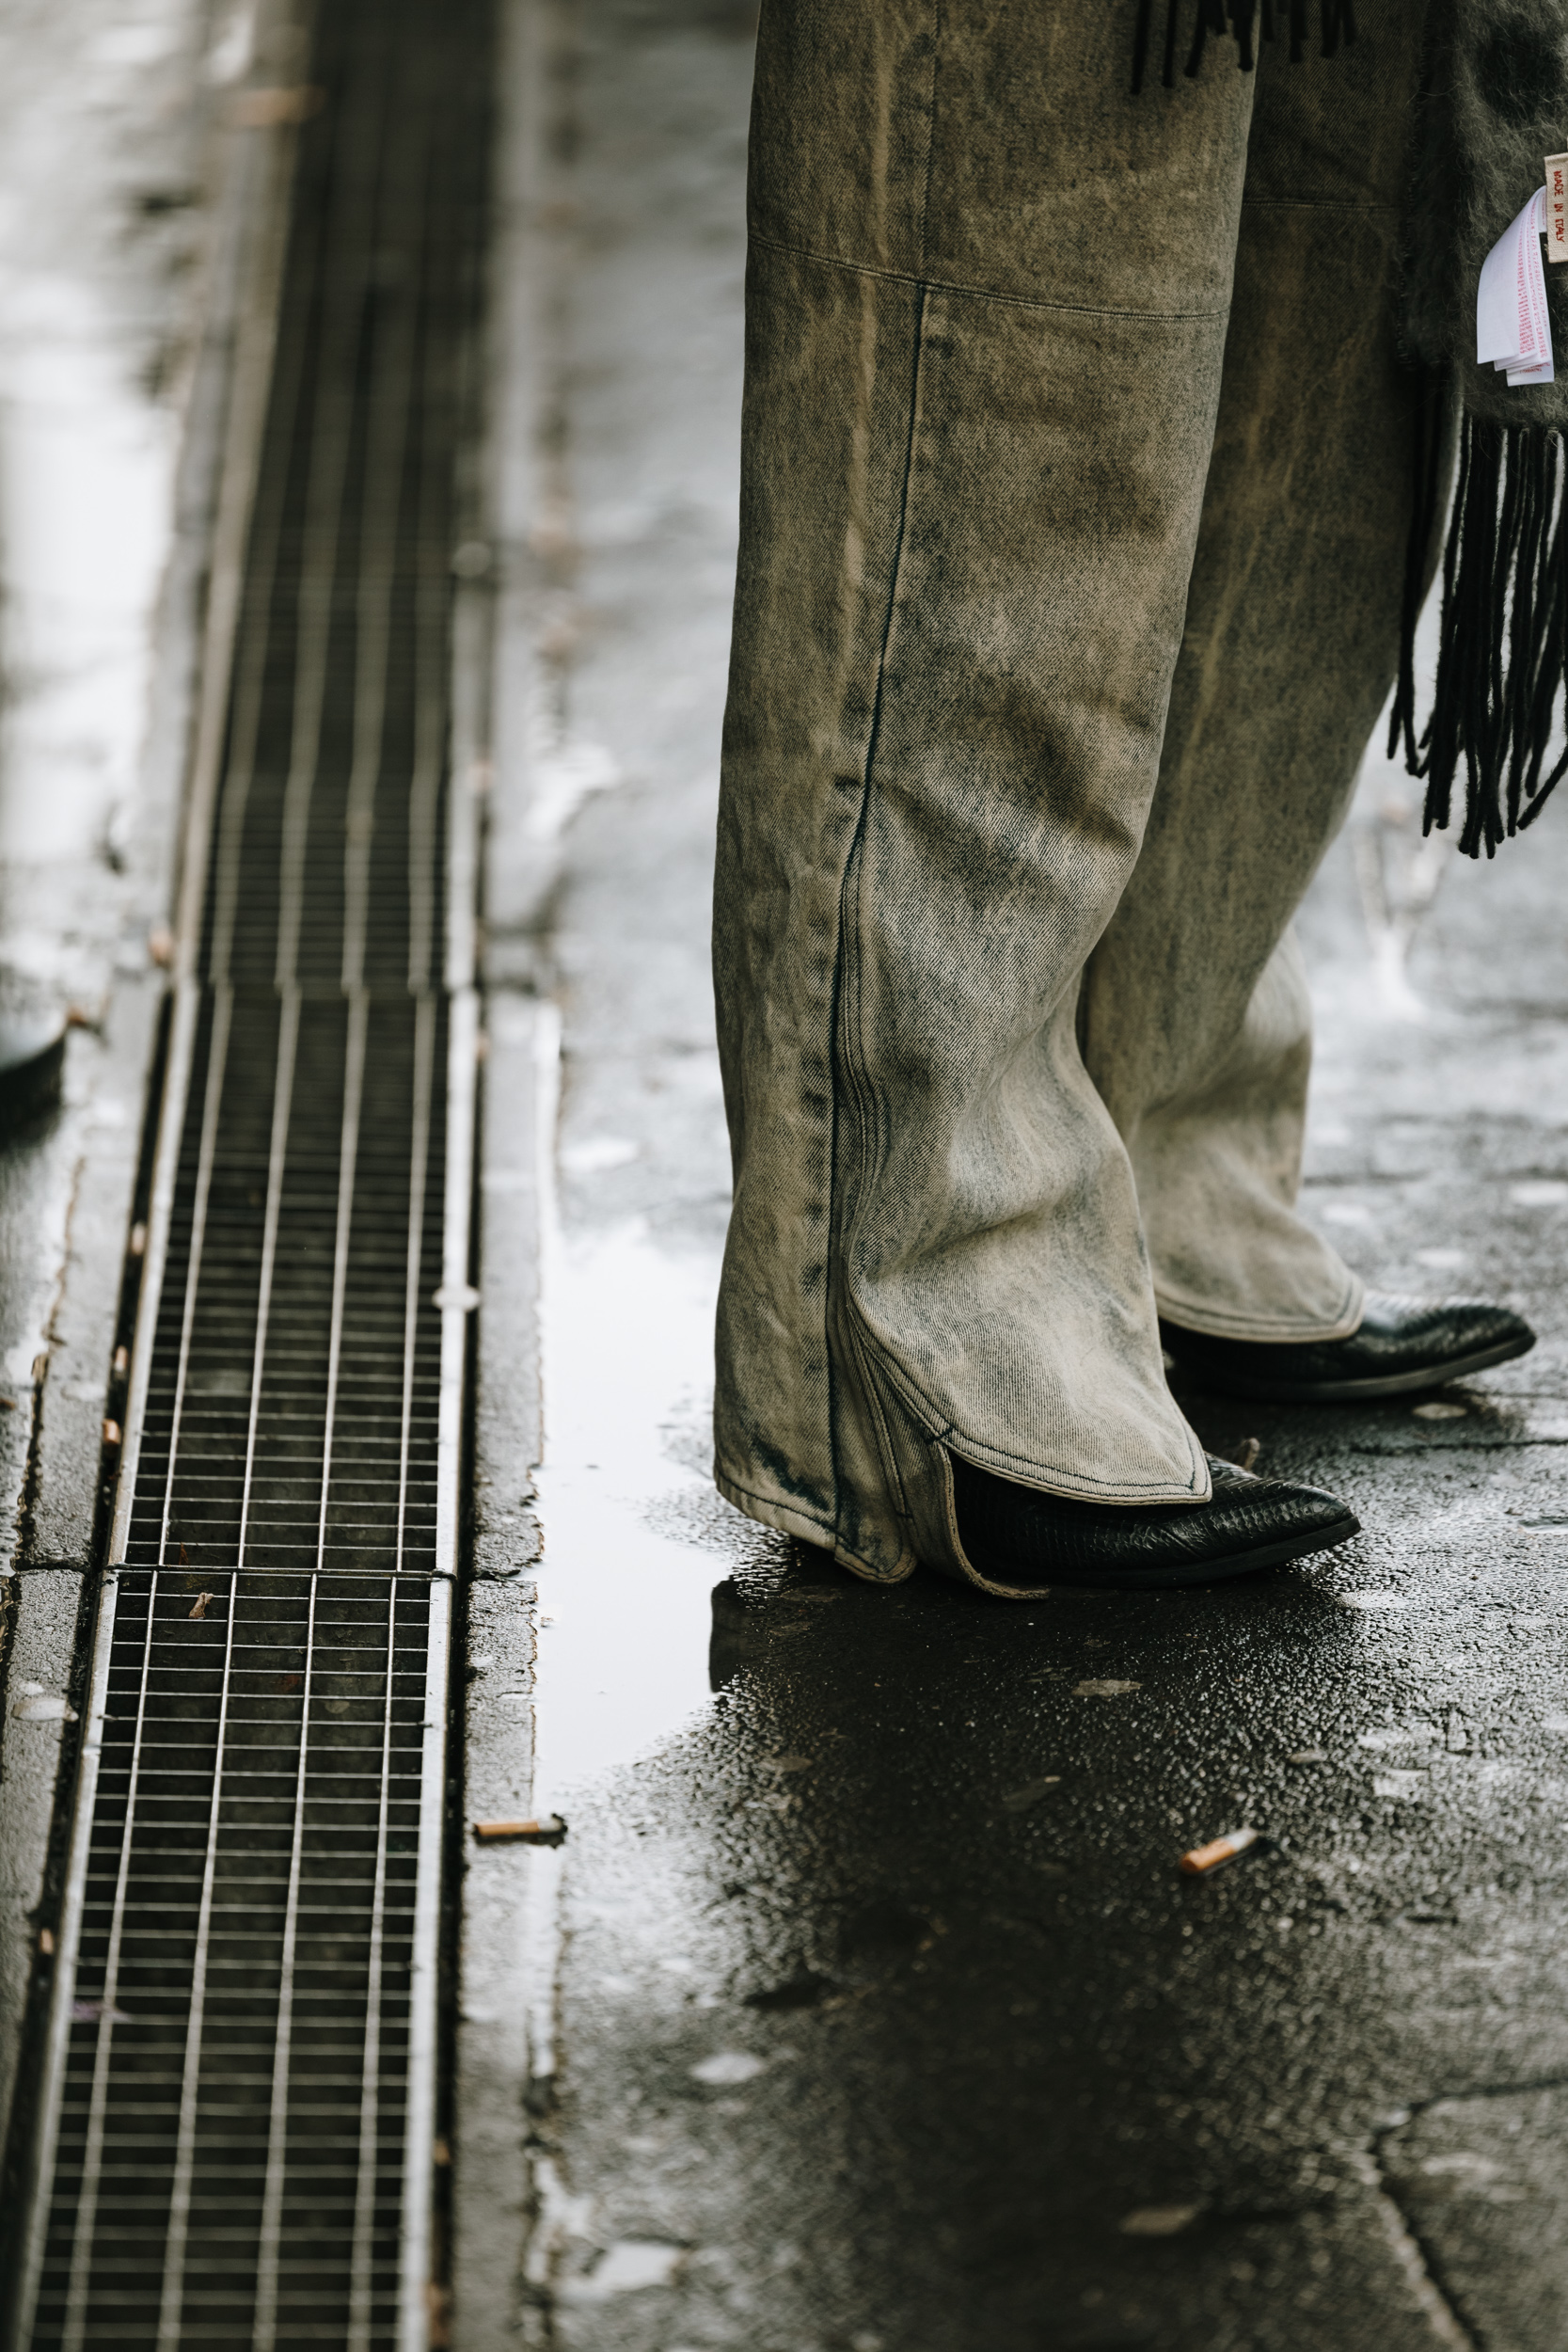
1502 661
1425 489
1336 28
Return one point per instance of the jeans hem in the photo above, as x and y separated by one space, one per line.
1283 1329
971 1573
1073 1485
788 1520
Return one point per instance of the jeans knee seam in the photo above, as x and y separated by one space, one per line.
981 293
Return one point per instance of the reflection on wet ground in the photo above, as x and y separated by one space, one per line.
889 2014
881 2006
623 1487
106 131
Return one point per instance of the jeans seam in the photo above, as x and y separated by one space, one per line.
874 1404
979 294
1312 204
847 980
930 126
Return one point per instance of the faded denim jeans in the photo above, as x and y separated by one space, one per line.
1075 492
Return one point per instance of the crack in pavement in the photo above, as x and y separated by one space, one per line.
1413 2249
1414 2256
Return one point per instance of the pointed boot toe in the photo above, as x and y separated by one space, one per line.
1022 1542
1401 1346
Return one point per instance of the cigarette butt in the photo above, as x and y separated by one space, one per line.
1247 1453
138 1240
1220 1849
46 1942
203 1602
121 1362
111 1432
548 1831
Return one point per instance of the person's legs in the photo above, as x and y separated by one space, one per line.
1196 1021
986 316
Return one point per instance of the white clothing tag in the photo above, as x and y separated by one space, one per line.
1557 208
1513 331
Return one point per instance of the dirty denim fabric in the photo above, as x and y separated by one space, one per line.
1073 506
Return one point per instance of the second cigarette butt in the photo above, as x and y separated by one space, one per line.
548 1831
1219 1849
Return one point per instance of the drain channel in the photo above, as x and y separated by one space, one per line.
235 2132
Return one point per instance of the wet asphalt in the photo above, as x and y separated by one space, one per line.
886 1998
870 2009
864 2006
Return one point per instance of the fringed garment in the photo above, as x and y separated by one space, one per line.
1494 104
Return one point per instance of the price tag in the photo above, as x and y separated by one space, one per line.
1513 330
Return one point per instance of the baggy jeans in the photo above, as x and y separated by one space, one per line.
1076 482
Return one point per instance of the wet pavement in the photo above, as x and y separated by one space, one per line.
865 2008
111 118
109 164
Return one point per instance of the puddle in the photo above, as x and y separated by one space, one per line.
624 1608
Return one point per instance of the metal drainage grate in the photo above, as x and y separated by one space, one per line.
236 2128
230 2155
